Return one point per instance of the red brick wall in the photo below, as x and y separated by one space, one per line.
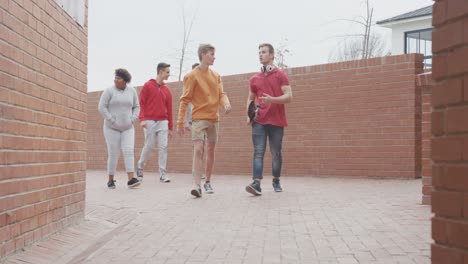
450 132
43 67
359 118
426 83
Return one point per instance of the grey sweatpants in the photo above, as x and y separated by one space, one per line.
117 141
155 129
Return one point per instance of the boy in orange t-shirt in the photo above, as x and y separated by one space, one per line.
204 89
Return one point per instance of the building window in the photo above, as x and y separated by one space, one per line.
420 41
75 8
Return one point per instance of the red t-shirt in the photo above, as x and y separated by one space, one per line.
270 114
156 102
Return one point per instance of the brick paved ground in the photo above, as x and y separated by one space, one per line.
315 220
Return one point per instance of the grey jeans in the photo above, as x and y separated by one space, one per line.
160 130
116 141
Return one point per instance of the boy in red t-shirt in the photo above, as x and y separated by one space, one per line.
270 90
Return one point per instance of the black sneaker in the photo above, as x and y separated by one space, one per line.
139 174
254 188
111 184
196 192
134 182
277 185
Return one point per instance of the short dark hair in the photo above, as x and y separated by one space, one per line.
124 74
195 65
162 66
270 47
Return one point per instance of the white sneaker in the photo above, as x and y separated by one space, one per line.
139 173
164 179
208 188
202 176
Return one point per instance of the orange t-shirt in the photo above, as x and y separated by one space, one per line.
204 89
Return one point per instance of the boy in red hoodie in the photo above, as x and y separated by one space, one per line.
156 119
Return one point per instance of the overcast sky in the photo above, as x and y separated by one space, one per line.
138 34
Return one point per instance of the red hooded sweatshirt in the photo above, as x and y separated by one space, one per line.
156 102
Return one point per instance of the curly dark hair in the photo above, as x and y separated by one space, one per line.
124 74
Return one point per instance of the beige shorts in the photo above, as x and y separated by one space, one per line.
204 129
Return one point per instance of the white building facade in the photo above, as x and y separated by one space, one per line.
412 33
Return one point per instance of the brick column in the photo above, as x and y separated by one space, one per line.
425 84
450 132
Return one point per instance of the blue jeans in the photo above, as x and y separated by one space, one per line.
275 139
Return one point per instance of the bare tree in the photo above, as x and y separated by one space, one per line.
367 32
281 53
183 52
365 45
377 46
347 50
352 48
187 30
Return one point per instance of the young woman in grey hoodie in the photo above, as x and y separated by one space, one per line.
119 107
